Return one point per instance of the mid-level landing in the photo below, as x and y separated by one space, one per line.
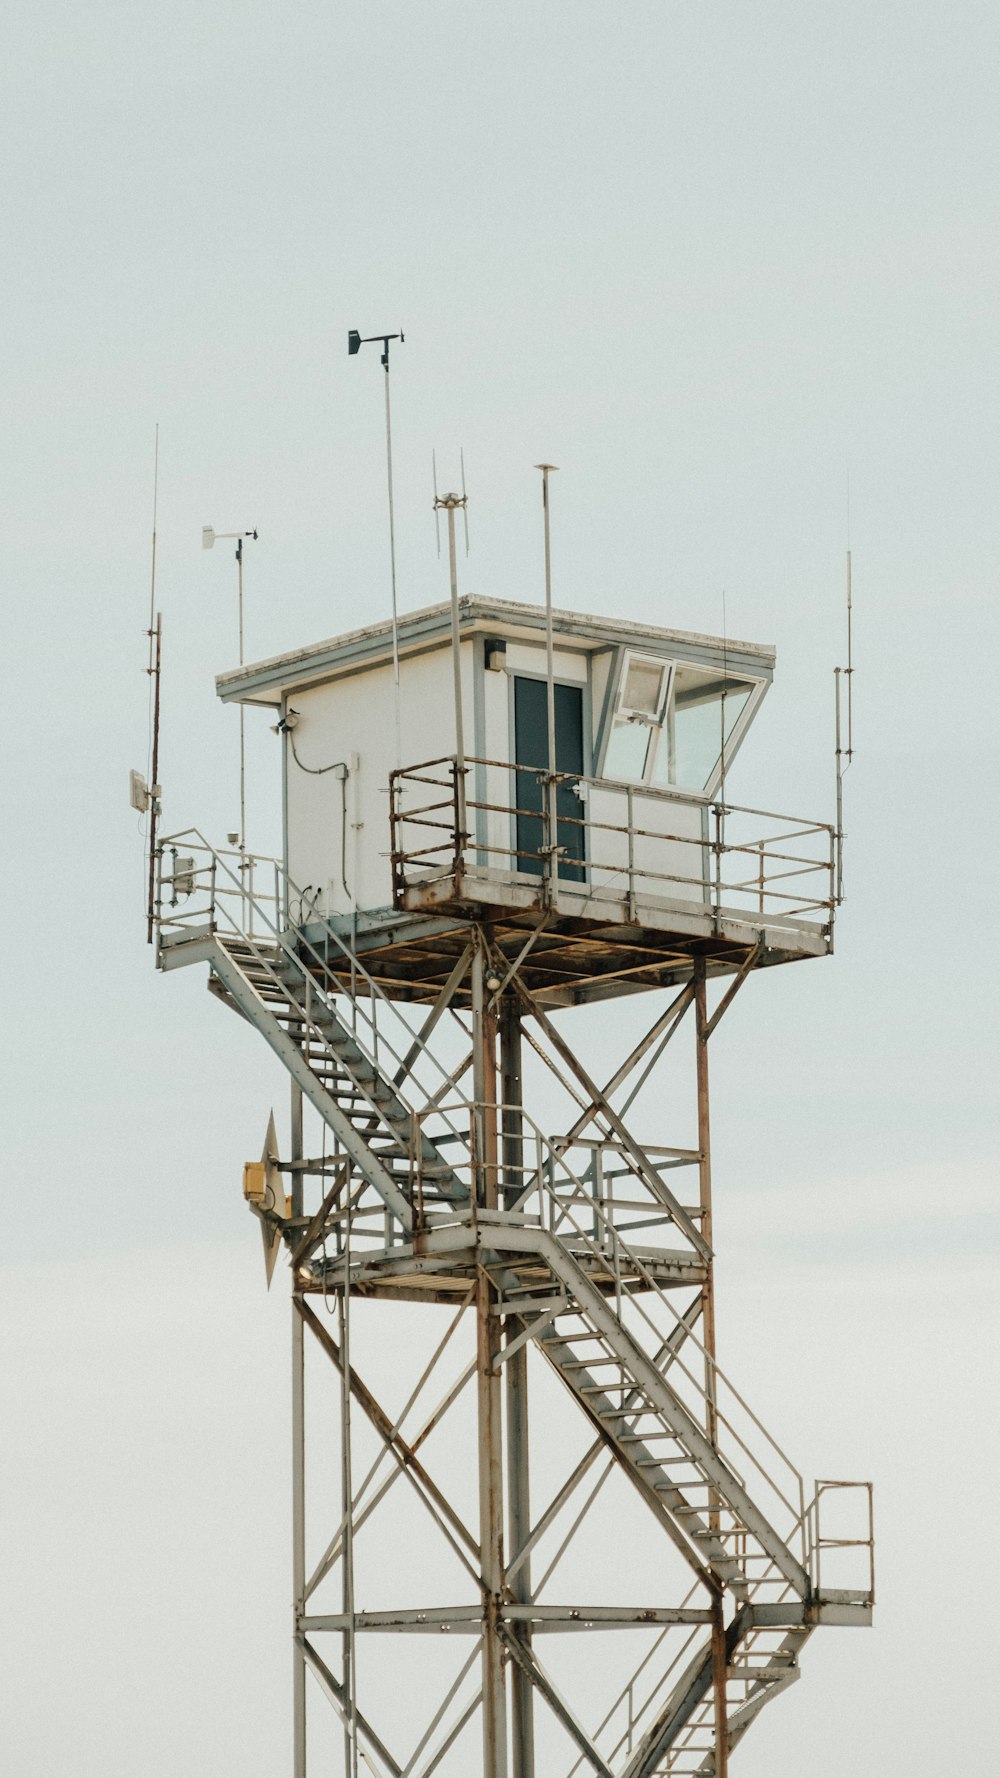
440 1262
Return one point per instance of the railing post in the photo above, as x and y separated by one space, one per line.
629 816
158 904
458 780
550 840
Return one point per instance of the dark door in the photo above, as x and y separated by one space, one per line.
531 748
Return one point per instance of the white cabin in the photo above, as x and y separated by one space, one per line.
378 819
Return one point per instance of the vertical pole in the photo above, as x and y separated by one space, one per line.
154 801
295 1114
456 666
551 836
516 1374
298 1543
839 885
708 1340
392 555
243 771
546 469
489 1387
298 1474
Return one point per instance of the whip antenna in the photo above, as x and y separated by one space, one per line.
155 635
450 504
548 469
844 754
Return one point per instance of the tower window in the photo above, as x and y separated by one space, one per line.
673 723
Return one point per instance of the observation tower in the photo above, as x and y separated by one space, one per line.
536 1525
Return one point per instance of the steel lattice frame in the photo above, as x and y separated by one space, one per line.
503 1674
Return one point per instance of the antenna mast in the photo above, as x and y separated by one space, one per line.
155 635
844 755
452 503
548 469
354 345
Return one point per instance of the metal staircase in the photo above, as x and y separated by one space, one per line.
285 1000
653 1433
560 1275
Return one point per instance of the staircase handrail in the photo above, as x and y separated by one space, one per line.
279 935
544 1144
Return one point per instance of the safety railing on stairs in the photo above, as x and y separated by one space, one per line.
763 1656
552 1196
245 898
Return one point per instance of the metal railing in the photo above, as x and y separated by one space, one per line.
749 862
246 897
550 1194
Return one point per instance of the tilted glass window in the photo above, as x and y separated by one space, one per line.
704 711
642 702
671 722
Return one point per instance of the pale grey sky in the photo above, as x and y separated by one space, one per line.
711 260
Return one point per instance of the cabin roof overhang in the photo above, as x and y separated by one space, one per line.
269 681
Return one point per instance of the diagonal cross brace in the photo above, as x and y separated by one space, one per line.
640 1160
405 1456
529 1663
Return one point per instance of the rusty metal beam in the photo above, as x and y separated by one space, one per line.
427 1489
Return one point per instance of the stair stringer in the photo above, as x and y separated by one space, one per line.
654 1386
380 1093
249 1002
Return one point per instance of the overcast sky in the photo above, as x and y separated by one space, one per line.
718 263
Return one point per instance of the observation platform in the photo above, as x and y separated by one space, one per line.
592 890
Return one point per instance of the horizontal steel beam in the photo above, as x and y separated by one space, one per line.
469 1618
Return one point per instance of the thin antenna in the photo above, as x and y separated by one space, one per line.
465 500
548 469
437 520
155 635
209 538
156 490
452 503
722 704
354 344
850 665
844 755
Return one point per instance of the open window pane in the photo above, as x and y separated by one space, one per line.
704 707
643 683
627 747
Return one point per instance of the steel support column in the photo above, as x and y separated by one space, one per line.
516 1367
489 1383
719 1658
298 1473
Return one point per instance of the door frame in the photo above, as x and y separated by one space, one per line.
586 716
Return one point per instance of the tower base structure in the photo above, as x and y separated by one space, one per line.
536 1526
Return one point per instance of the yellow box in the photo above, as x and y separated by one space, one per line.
253 1181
